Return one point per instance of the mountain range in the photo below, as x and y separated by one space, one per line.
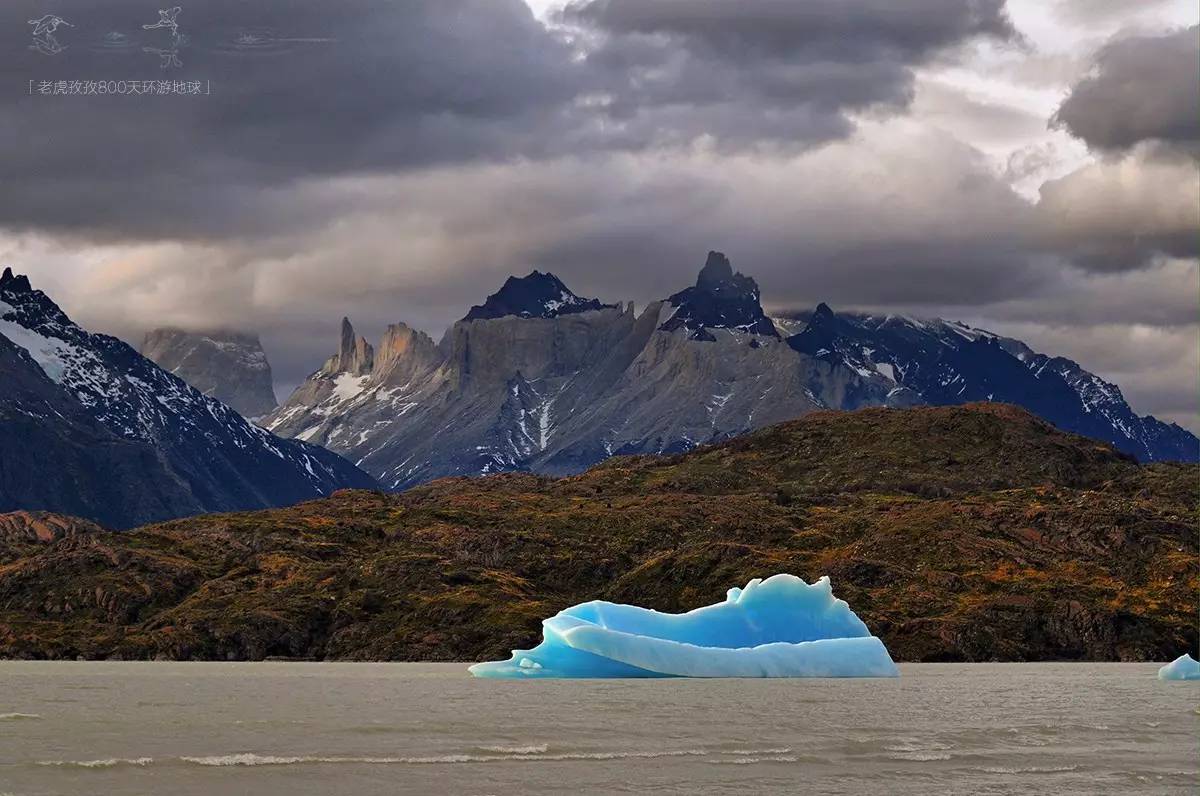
539 379
970 533
92 428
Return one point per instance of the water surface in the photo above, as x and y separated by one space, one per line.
294 728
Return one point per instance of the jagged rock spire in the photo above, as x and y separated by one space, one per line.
717 269
721 299
17 283
355 355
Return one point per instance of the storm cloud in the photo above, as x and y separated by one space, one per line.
352 87
396 161
1139 109
766 71
1143 88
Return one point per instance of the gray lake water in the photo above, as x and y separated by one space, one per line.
293 728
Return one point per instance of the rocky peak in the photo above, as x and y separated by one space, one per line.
14 283
819 338
537 295
822 314
721 299
716 271
230 366
355 355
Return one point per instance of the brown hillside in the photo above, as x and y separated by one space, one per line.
967 533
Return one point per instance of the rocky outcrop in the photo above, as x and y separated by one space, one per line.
974 533
721 299
227 365
93 429
355 356
22 532
537 295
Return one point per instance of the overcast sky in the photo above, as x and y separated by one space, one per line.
1028 166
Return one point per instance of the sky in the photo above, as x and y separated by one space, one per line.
1025 166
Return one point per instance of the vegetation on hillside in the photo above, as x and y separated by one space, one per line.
967 533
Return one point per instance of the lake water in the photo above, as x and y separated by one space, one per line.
294 728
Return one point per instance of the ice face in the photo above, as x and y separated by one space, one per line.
1185 667
778 627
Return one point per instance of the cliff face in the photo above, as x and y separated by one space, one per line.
229 366
539 379
972 533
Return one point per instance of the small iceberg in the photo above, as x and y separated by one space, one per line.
1185 667
778 627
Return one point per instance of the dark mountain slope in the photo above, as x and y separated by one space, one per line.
93 428
537 295
944 363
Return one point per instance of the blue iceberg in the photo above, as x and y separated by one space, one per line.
778 627
1185 667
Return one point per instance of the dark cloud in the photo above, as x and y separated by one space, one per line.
892 215
318 90
758 72
349 87
1124 213
1143 88
858 31
402 166
1139 109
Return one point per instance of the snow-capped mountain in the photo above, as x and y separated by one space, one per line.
944 363
519 384
95 429
227 365
720 299
535 296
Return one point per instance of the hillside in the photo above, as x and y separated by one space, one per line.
966 533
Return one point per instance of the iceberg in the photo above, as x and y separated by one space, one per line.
1185 667
778 627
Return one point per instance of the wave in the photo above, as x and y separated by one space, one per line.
495 754
920 757
744 761
109 762
253 759
18 716
532 749
756 752
916 745
1028 769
